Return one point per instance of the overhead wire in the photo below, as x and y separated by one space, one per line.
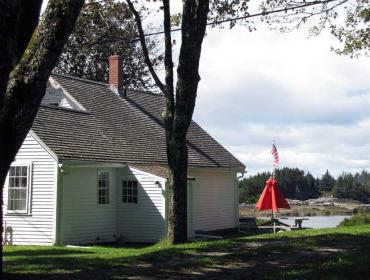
218 22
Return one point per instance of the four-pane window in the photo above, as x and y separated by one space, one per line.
103 187
129 191
18 188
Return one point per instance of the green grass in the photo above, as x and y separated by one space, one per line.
356 220
306 254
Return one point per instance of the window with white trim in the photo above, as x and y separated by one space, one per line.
18 188
103 187
129 192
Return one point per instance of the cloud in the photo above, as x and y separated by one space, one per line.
264 85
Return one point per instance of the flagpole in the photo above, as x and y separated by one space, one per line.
273 176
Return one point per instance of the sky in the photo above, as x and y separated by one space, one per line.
263 86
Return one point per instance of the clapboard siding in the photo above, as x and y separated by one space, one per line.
82 219
65 103
214 200
144 221
38 227
56 95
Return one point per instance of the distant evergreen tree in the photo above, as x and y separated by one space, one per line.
343 186
353 186
295 184
251 188
327 183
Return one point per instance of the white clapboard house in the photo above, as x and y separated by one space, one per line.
93 169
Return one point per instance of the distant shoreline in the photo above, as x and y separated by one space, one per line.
313 207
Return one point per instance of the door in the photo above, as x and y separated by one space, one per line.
190 209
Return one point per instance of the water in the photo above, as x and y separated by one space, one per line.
317 221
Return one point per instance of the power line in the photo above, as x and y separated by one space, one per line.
217 22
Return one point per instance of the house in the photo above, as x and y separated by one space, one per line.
93 169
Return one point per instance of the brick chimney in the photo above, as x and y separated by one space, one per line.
115 74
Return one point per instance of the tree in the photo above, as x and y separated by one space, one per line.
326 183
293 182
29 52
180 101
348 21
180 104
103 29
251 188
353 186
355 33
343 185
312 186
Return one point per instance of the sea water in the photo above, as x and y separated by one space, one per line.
317 221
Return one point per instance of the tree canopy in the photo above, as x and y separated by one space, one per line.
354 34
103 29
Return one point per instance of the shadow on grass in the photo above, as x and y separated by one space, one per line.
351 265
44 252
237 258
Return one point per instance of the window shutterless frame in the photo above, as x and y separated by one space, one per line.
130 192
103 187
19 189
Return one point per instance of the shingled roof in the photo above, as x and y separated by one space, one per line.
119 130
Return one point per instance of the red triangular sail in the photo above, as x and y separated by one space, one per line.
271 198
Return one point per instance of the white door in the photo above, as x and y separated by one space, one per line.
190 209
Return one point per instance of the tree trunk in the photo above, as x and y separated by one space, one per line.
178 112
18 22
194 22
27 82
177 192
3 172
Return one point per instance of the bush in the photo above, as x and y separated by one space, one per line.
356 220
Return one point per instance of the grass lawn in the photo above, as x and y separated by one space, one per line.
339 253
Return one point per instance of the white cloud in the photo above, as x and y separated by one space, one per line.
265 85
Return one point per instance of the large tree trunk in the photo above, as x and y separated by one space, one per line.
18 21
27 82
194 22
14 37
177 190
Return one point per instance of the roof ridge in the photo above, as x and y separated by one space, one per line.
147 92
79 79
68 76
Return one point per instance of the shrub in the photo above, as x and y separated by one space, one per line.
356 220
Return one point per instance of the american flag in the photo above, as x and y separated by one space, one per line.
275 156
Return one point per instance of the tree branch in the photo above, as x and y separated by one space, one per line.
169 93
148 62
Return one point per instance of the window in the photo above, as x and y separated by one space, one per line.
18 189
129 191
103 187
